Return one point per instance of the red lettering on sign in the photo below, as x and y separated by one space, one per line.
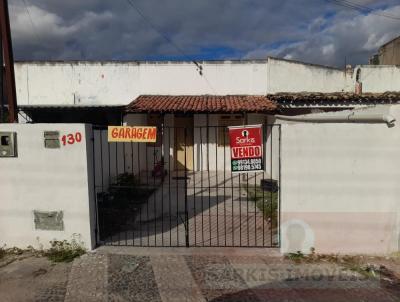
139 133
121 133
246 152
152 133
114 133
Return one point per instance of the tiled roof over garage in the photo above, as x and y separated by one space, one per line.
201 103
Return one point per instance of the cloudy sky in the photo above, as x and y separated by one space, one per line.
316 31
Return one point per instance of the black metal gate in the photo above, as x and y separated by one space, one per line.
180 191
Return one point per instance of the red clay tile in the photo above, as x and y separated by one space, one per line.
201 103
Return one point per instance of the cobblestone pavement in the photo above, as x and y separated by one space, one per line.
198 275
193 274
33 279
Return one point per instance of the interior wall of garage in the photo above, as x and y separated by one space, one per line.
340 187
46 180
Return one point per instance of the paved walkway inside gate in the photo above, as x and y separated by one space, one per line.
219 213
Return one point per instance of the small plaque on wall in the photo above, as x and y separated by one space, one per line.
52 139
50 221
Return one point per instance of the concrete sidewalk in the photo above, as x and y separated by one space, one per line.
194 274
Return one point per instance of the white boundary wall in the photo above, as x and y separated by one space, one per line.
293 76
119 83
341 187
46 180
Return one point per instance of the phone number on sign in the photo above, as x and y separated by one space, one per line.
249 161
248 167
247 164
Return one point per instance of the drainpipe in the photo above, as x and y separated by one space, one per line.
350 118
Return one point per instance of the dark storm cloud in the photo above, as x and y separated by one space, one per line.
309 30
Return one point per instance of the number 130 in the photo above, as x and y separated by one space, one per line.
71 138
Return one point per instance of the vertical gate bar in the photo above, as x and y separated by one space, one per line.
154 195
255 209
186 205
216 177
109 163
116 160
279 190
265 128
133 173
116 178
102 178
123 151
201 184
209 180
255 206
109 169
140 206
247 205
240 211
223 133
101 159
194 188
270 202
177 180
162 181
233 196
169 186
148 199
94 184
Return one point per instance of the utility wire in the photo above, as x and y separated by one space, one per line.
362 8
170 41
160 32
31 20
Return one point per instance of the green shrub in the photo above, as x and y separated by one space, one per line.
126 179
296 257
266 201
64 251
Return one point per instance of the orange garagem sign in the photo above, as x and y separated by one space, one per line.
145 134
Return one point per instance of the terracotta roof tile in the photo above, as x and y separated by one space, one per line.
201 103
335 97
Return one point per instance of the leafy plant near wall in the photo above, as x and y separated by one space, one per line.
126 192
266 201
126 179
64 251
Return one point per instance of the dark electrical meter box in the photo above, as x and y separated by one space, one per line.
8 144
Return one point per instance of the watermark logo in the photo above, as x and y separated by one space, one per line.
297 236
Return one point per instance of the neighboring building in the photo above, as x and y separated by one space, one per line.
388 53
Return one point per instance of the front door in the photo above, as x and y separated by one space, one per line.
183 151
